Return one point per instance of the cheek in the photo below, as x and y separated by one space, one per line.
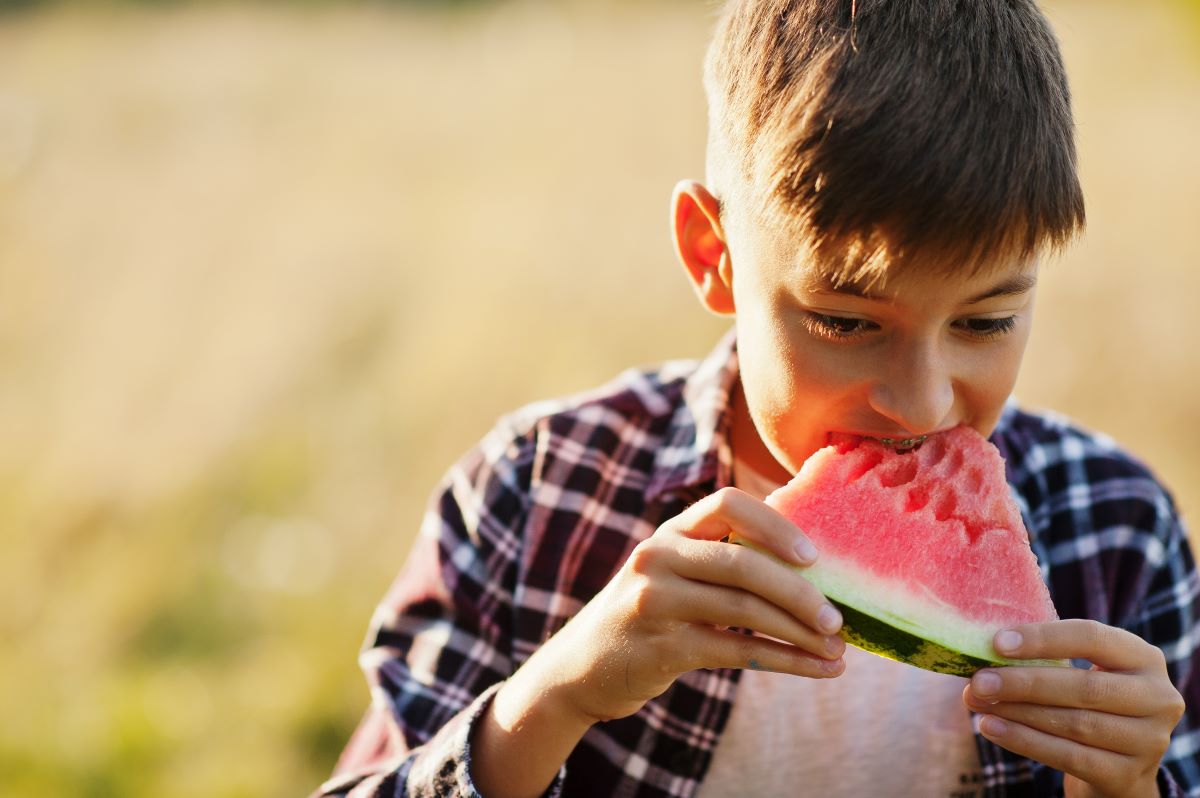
796 389
765 361
1007 362
988 381
794 373
789 369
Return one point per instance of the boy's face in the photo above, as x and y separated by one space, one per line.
914 356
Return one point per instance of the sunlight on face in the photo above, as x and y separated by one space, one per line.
915 356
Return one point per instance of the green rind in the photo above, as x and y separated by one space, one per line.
865 631
871 634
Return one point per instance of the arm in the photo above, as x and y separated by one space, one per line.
1169 617
1127 726
438 644
667 611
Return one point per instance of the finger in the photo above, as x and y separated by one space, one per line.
731 511
1111 648
1116 733
1092 765
729 607
1116 693
754 572
717 648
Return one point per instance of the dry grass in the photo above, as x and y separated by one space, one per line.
267 271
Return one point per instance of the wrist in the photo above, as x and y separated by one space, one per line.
561 678
529 697
528 724
1145 788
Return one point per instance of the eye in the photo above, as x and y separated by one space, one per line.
837 327
987 329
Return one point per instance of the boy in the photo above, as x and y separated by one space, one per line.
882 177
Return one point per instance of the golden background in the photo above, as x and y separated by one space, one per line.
267 270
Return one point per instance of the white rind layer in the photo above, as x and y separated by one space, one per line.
909 607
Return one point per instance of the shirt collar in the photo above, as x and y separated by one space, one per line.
696 447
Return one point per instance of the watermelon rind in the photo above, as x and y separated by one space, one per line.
871 634
904 632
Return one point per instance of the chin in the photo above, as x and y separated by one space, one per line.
792 458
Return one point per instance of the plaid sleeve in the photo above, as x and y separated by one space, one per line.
1143 548
1114 549
439 644
1169 616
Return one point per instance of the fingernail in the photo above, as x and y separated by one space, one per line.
805 550
829 619
977 701
1008 641
833 666
985 683
993 726
835 645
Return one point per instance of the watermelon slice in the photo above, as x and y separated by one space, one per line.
923 551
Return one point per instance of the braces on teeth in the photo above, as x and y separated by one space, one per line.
905 443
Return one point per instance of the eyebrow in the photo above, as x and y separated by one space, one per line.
1017 284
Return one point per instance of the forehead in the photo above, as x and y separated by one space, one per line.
873 271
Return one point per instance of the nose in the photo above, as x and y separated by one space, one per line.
915 390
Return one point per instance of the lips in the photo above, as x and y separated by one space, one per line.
844 441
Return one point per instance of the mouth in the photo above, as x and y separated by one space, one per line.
903 444
846 441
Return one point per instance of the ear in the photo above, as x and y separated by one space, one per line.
700 245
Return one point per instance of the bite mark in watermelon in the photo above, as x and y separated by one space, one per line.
923 551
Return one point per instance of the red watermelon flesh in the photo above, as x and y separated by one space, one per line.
925 551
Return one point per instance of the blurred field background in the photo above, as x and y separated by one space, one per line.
266 270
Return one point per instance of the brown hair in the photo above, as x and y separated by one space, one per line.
884 133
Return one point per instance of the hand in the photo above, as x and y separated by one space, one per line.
1106 728
668 609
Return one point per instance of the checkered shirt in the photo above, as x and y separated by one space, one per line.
538 517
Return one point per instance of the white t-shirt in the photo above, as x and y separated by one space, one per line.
881 728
